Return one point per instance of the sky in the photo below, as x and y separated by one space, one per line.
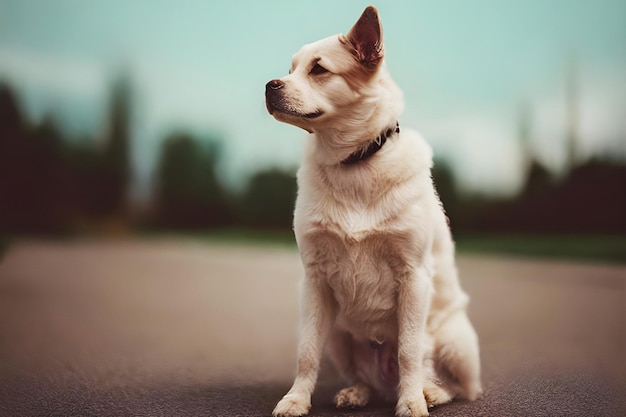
468 69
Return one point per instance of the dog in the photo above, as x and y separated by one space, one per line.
381 292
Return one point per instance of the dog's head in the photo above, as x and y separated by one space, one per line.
337 78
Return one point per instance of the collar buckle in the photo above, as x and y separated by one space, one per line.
370 148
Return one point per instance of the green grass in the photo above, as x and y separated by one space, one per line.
280 238
594 248
611 249
240 236
587 248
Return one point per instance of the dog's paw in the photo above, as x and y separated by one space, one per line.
436 395
351 397
292 405
473 391
412 407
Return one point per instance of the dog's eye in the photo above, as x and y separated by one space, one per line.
318 69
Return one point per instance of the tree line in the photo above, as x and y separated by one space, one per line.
589 199
189 196
46 181
52 185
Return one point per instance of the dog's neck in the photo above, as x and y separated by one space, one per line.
370 148
350 142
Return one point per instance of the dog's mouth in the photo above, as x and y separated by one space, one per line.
313 115
289 112
273 108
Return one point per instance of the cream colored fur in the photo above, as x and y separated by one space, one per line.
373 238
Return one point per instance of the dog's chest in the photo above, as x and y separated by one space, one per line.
361 276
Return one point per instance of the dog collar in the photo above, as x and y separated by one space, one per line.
371 148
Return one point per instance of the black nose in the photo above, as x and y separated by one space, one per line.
274 85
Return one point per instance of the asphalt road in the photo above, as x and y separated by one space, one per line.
179 328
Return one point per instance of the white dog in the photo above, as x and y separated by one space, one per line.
381 290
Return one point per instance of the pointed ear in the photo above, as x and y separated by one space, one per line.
366 37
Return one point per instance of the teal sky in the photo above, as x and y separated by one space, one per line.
467 68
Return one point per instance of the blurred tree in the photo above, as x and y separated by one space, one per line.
31 172
269 199
11 119
116 155
89 183
188 193
538 180
48 174
12 142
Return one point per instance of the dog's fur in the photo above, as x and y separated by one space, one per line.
381 291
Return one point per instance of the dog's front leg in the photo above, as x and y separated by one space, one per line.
413 306
317 316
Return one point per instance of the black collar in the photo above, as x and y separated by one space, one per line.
371 148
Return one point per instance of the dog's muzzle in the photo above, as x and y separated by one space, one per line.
275 101
273 97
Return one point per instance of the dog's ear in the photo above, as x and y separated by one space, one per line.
366 38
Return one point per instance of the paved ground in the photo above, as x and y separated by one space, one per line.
166 328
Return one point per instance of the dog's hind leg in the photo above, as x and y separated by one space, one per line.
436 394
457 357
342 350
436 391
356 395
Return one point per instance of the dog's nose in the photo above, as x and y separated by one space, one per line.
274 85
